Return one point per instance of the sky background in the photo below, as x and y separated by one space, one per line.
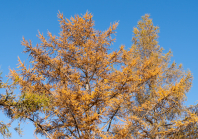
177 19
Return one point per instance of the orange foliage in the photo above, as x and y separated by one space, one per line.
72 89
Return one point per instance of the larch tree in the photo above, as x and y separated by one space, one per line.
4 131
76 88
7 103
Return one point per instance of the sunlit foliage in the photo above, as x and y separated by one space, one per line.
7 103
76 88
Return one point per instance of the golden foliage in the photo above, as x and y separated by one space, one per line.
72 89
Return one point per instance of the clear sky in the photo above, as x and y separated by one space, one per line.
177 19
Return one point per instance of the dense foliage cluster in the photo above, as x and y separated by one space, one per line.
76 88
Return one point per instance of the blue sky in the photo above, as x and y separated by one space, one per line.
177 20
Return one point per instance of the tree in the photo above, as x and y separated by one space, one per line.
76 88
3 126
6 104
